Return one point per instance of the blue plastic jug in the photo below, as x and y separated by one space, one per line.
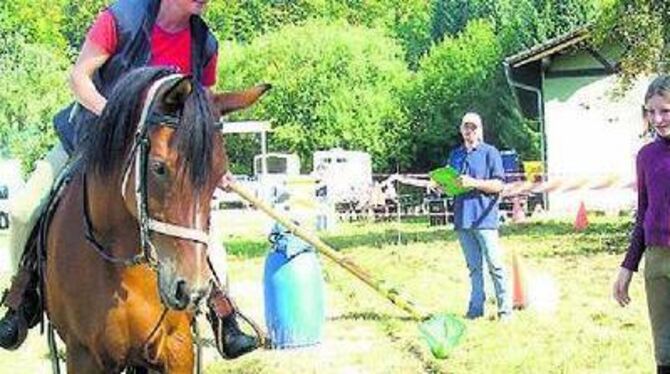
294 292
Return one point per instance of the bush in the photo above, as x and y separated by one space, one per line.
33 89
450 81
36 21
335 85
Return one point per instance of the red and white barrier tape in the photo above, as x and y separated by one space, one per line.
558 184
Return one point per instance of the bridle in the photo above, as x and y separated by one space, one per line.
138 158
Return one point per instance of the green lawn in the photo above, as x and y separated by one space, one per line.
587 332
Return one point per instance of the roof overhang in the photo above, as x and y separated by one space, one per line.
548 48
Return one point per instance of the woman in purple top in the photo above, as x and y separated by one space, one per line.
651 234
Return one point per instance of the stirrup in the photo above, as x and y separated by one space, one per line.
217 323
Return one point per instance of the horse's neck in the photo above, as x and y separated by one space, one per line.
111 222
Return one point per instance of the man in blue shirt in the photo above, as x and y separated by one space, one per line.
476 214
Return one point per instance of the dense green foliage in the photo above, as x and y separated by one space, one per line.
335 85
391 77
459 67
642 29
33 82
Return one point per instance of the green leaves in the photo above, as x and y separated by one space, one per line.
642 30
33 81
333 85
391 77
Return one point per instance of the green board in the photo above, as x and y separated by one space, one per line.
447 178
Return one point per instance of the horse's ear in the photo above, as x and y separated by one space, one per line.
228 102
176 94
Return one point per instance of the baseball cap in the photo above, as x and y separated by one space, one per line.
472 118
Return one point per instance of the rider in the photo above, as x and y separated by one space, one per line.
118 41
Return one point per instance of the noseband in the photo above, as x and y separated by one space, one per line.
138 158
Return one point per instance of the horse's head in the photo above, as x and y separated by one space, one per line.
169 173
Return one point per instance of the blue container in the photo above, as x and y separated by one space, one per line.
294 292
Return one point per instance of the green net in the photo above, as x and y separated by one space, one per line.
442 333
447 178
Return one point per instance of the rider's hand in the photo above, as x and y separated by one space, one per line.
620 289
226 181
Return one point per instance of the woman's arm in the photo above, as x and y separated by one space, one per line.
90 59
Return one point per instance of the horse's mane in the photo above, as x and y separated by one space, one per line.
109 138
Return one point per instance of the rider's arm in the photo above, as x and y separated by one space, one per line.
91 58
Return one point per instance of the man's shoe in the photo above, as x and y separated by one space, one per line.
13 330
231 341
473 316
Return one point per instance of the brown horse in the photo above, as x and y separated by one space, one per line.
126 250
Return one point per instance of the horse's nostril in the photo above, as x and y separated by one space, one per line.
181 294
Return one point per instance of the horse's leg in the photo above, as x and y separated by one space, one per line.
79 360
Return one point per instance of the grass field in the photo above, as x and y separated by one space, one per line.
586 333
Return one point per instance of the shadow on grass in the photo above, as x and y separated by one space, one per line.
370 316
246 248
559 239
599 237
413 345
565 228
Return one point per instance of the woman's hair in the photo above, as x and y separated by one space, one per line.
659 86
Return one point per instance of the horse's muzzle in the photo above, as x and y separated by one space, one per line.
177 293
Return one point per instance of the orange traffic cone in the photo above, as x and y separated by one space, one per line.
519 298
518 214
581 221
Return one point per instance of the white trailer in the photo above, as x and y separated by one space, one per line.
347 175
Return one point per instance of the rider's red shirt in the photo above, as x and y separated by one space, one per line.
167 49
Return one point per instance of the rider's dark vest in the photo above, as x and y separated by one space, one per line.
134 21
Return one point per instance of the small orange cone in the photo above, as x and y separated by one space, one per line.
518 214
519 298
582 221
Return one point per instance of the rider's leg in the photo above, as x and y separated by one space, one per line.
25 207
230 340
21 302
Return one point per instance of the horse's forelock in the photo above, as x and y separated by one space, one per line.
195 137
108 137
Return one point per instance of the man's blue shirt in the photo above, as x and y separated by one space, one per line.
476 209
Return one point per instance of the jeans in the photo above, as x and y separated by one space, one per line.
480 245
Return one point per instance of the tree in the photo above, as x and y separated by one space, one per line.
451 16
35 21
33 89
80 17
334 85
463 74
641 28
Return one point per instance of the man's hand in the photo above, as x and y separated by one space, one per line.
466 181
620 289
226 181
435 187
491 186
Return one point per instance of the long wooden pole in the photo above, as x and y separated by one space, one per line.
378 285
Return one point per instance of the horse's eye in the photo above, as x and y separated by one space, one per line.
159 168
